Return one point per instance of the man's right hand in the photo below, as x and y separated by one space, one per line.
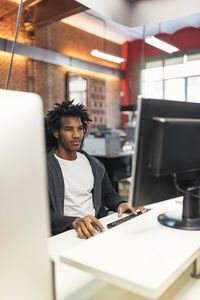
85 226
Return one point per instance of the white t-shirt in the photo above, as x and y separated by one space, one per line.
78 184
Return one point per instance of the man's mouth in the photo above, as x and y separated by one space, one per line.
76 143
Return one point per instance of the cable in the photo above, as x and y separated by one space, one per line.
14 43
182 190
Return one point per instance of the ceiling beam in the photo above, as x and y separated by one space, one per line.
49 11
56 58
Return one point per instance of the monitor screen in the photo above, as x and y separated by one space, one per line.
167 162
25 271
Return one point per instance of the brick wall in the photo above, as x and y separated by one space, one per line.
114 102
49 80
8 25
134 82
77 43
18 75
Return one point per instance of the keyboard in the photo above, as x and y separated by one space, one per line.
124 219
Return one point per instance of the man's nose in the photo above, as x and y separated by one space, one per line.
76 133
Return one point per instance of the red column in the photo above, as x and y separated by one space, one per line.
125 88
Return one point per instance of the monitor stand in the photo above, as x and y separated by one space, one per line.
190 217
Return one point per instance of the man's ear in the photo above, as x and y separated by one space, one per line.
55 133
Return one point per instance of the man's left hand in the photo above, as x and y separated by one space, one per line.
124 207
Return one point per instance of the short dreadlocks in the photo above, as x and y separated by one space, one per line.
52 120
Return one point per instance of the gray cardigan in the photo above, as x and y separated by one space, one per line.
104 196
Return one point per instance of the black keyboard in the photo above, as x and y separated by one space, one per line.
124 219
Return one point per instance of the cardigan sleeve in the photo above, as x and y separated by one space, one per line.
59 223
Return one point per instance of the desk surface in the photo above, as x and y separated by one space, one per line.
72 283
140 255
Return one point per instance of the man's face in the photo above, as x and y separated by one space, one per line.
70 135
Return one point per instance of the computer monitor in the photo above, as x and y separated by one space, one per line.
166 163
25 269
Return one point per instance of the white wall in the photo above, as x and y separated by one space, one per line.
142 12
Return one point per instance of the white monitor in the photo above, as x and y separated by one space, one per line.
25 271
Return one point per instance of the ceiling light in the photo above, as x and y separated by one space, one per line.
107 56
153 41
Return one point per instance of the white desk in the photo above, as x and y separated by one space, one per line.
72 283
156 261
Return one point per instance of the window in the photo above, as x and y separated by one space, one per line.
193 89
175 89
173 78
152 89
76 88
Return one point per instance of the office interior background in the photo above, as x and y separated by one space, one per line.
54 47
53 59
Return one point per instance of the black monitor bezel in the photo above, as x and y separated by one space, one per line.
145 188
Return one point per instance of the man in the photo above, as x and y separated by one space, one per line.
78 185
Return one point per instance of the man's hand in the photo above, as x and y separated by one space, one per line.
85 226
124 207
